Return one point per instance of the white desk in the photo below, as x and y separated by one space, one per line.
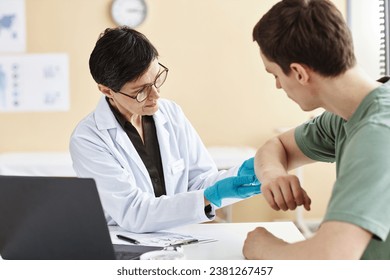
230 238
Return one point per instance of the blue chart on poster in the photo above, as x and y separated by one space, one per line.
12 26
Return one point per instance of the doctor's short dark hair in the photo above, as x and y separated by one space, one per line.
310 32
120 55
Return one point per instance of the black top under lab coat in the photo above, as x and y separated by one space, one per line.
149 150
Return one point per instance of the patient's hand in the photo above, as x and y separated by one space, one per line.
258 242
285 193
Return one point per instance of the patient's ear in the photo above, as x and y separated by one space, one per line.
301 73
105 90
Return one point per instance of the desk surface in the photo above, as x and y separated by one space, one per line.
230 238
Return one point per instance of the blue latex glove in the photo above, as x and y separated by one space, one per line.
233 187
248 168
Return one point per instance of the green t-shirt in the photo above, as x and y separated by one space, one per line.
361 149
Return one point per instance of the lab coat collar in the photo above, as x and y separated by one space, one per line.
159 117
107 123
105 119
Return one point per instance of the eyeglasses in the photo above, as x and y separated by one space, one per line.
143 93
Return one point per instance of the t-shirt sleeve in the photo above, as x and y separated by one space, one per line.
361 194
316 138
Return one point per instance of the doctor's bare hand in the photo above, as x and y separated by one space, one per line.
260 242
285 193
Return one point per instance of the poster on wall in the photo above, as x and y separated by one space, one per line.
12 26
34 82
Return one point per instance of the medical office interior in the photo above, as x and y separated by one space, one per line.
215 75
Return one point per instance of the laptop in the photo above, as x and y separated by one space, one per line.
61 218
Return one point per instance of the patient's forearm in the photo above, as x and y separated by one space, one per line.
270 160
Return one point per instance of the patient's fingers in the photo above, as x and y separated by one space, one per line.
285 193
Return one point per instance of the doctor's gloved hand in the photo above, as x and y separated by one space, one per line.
232 187
247 168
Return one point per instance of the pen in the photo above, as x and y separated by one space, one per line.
128 239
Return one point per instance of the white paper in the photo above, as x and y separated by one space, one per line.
12 26
34 82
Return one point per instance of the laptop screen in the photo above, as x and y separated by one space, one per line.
52 218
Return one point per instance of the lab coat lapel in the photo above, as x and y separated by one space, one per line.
168 149
106 121
127 146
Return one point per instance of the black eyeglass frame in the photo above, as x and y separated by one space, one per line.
165 69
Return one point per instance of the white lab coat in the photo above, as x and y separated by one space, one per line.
101 149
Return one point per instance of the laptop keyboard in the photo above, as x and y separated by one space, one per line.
132 252
127 255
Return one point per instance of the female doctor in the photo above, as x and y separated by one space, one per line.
151 169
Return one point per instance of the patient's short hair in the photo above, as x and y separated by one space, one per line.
120 55
311 32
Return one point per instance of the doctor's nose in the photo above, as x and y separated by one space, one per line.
154 92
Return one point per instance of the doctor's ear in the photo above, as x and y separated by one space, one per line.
301 73
105 90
